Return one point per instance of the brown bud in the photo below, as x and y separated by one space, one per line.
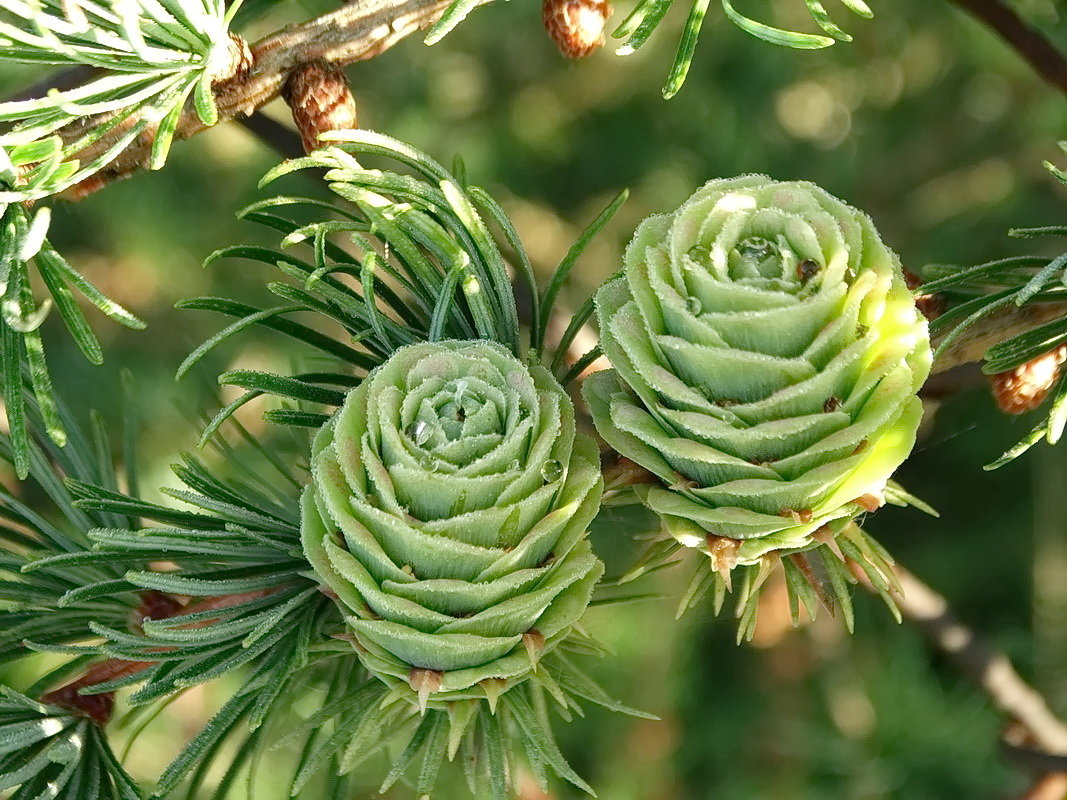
576 26
319 97
930 306
97 707
1025 388
155 605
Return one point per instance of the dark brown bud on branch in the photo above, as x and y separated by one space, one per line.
1025 388
930 306
97 707
576 26
155 605
319 97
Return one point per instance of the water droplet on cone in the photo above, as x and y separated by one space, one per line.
551 470
418 432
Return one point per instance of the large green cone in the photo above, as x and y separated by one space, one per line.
767 356
448 511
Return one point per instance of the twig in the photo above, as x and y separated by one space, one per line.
1051 786
989 669
354 32
1034 760
271 132
998 326
285 141
948 383
1041 54
154 605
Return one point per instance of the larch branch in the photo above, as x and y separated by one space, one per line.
988 668
1040 53
354 32
1000 325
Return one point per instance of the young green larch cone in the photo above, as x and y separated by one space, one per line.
448 512
767 354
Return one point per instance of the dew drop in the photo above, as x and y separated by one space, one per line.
460 392
699 253
418 432
756 248
514 466
551 470
694 306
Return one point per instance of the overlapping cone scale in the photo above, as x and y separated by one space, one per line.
448 511
766 358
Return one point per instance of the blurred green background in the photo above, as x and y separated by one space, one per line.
925 121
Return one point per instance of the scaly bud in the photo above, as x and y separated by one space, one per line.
576 26
319 97
931 305
1025 388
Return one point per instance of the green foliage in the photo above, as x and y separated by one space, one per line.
240 533
426 267
24 242
242 545
53 589
51 754
358 718
979 291
1060 174
254 608
148 57
81 571
257 611
647 15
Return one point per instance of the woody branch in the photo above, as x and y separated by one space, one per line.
354 32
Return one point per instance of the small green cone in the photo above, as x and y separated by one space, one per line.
448 512
766 357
